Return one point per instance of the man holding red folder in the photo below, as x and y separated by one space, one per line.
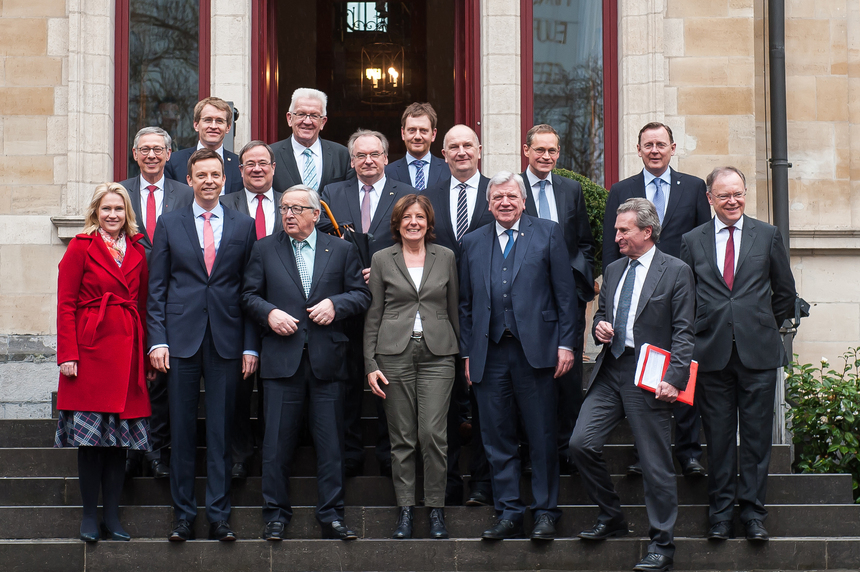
647 297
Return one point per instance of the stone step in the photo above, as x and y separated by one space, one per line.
50 462
378 491
33 522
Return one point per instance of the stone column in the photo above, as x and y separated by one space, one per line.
231 61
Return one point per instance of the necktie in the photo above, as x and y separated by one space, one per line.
510 244
659 199
543 202
150 212
208 243
620 338
309 174
420 183
462 212
303 268
365 209
260 218
729 263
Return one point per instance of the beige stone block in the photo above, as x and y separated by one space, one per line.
838 46
709 134
23 36
5 199
2 150
741 70
33 71
698 71
501 8
829 278
28 314
715 101
27 170
57 133
673 37
799 9
27 100
637 36
58 37
830 9
36 199
29 269
670 102
742 135
696 8
503 35
832 98
811 149
745 8
501 69
33 8
843 163
829 199
832 322
718 37
801 98
25 229
810 350
25 135
807 47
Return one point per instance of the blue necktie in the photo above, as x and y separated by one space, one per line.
420 183
620 328
543 202
510 244
309 175
659 199
303 268
462 212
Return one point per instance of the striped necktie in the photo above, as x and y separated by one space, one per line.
309 174
420 183
462 212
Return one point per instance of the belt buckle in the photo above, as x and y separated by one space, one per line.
416 335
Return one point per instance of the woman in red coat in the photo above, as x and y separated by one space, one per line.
102 399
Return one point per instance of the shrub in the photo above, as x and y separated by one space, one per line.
595 204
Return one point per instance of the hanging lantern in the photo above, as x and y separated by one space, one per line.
382 67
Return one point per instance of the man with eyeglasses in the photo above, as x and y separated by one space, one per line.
304 157
419 167
681 206
300 287
259 201
744 292
365 202
213 118
152 194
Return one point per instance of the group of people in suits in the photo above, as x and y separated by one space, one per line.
457 297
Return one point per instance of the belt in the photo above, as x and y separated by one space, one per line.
417 335
507 334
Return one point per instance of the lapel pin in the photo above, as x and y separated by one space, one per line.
326 249
391 194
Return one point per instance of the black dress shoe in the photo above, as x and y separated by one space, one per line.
183 531
723 530
437 523
404 524
479 498
89 532
221 531
159 469
503 529
756 531
109 534
654 561
239 472
635 470
338 530
274 530
602 531
544 528
352 469
693 468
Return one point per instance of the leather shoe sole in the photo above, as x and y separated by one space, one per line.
274 531
182 532
503 529
693 468
602 531
654 562
756 532
721 531
479 498
221 531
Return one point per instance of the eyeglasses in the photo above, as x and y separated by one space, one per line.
312 116
297 210
725 198
499 197
540 151
159 151
661 146
255 164
362 156
219 121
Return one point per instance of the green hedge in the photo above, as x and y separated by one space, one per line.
595 203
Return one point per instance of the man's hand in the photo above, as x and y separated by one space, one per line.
69 368
282 323
249 365
365 273
373 379
322 313
666 392
565 362
160 359
468 379
604 332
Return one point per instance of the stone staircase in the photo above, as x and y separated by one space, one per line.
813 522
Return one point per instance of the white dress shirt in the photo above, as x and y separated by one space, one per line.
268 208
651 187
534 184
375 194
641 272
144 196
417 273
502 233
316 150
413 170
722 237
471 199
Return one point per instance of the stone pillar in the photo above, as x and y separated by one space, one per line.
231 61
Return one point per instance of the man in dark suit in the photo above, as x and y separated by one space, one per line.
647 297
517 328
195 328
419 168
560 199
299 287
745 290
681 206
260 201
365 203
460 205
304 157
213 118
153 194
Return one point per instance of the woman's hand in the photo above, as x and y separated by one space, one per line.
69 368
150 375
373 379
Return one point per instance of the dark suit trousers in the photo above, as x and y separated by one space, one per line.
611 395
284 401
737 394
159 423
245 435
221 377
479 467
509 383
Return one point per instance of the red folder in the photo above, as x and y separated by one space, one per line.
651 367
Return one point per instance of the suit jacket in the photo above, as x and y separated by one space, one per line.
239 202
391 317
272 280
177 168
664 316
439 171
336 165
176 195
542 294
573 218
440 198
345 204
688 208
762 296
183 298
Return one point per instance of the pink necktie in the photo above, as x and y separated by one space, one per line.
208 243
260 218
365 209
729 263
150 212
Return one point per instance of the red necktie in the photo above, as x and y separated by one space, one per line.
208 243
260 218
150 212
729 263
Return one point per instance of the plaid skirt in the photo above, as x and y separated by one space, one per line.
94 429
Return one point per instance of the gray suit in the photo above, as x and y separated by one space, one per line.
664 318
